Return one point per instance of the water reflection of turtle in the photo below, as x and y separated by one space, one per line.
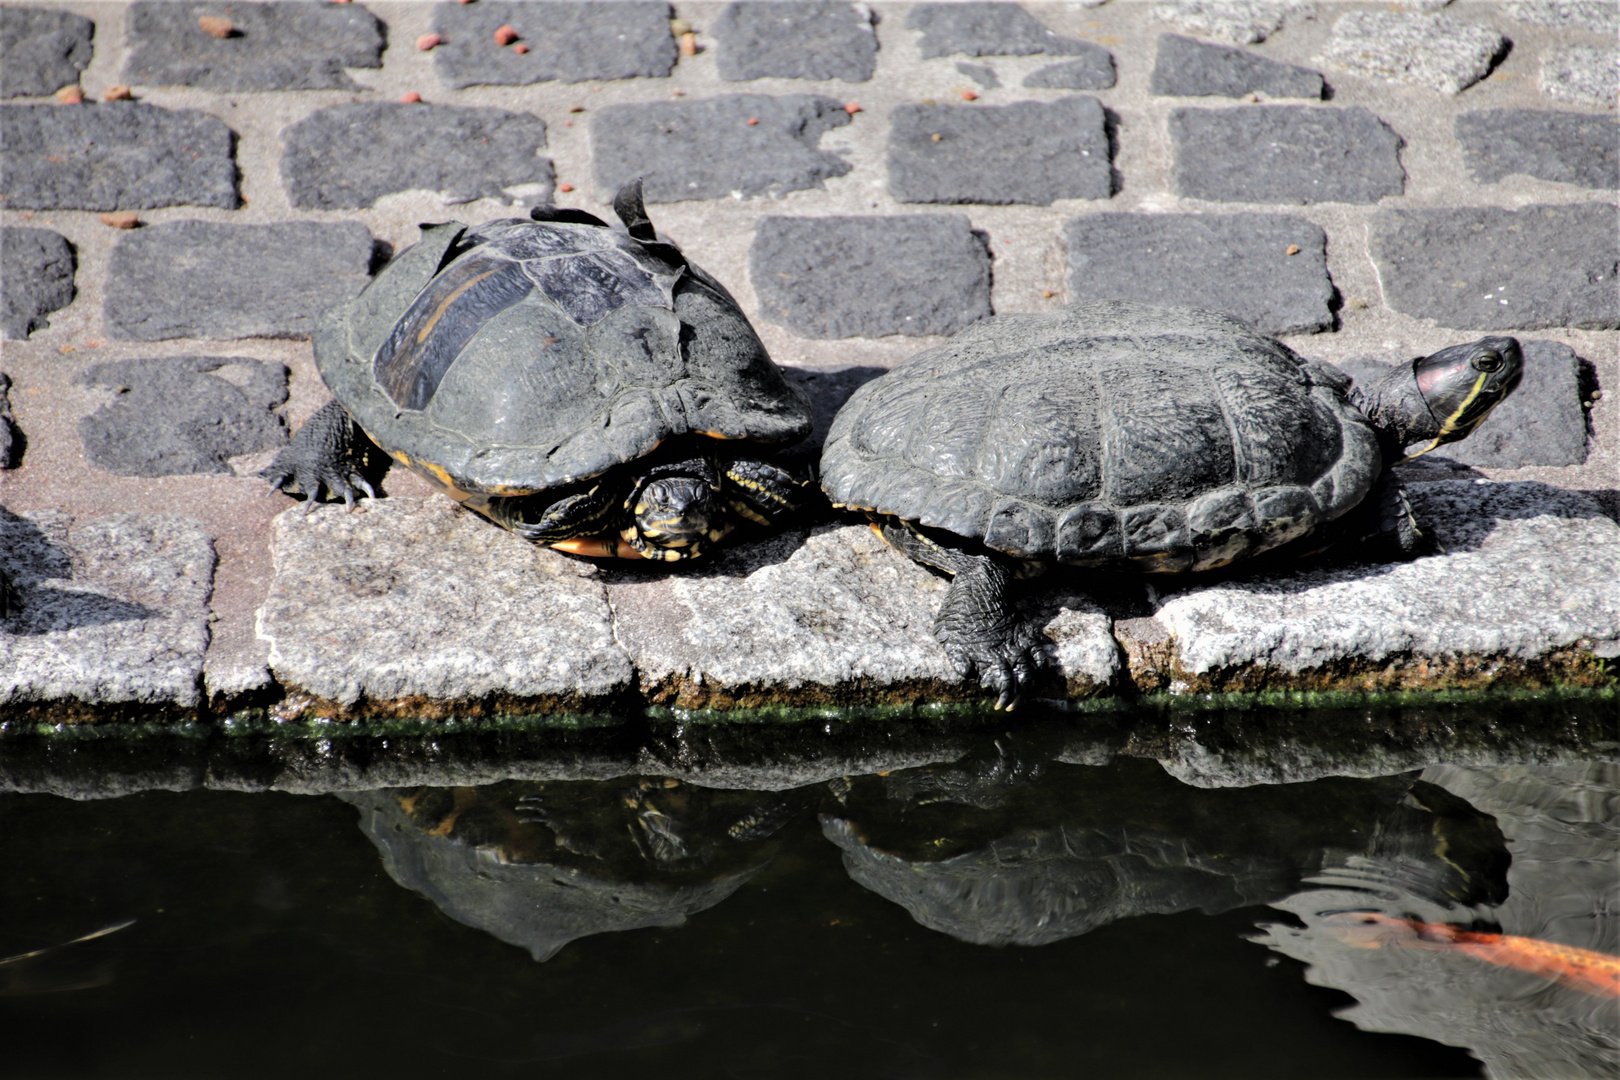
1118 436
539 864
1025 855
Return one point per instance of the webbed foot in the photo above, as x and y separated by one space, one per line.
326 453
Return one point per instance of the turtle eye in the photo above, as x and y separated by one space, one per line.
1488 361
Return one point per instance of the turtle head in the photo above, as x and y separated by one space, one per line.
674 517
1442 398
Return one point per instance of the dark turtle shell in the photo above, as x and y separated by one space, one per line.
1108 434
518 356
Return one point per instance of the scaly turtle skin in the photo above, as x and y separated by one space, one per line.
584 387
1119 436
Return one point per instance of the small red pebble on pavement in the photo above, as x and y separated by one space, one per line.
520 48
70 95
216 26
428 41
753 121
565 188
410 97
970 95
117 93
505 35
123 219
852 108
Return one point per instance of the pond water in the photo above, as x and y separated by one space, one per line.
1066 897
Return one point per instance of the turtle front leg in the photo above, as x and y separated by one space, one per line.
763 493
327 452
1386 527
585 514
981 633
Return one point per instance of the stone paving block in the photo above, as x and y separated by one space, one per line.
840 277
1485 268
36 278
120 155
273 46
1285 154
211 280
795 39
114 612
12 440
347 156
1530 580
838 617
1541 422
1093 71
755 144
183 414
977 28
568 40
1240 22
1586 75
1235 263
1602 16
416 603
979 73
42 50
1566 147
1027 152
1186 67
1436 51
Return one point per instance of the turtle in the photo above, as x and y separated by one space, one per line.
585 387
1119 436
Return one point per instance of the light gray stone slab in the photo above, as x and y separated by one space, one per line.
212 280
839 277
1240 22
753 144
416 602
1236 263
979 28
1529 571
1285 154
348 156
1419 49
1186 67
118 155
272 46
1564 147
838 617
795 39
568 40
1483 268
42 50
1589 76
36 278
114 612
1599 16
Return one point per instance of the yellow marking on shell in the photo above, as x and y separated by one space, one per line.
1451 421
444 305
400 456
718 435
509 490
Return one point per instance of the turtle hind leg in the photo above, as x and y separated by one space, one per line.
764 493
328 452
980 631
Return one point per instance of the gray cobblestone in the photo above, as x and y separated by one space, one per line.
1485 268
42 50
1236 263
1566 147
176 416
210 280
1436 51
121 155
1027 152
1285 154
1240 22
749 143
1602 16
978 28
348 156
979 73
36 278
569 40
1185 67
1093 71
1585 75
795 39
840 277
274 46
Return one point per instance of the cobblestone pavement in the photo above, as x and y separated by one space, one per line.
185 186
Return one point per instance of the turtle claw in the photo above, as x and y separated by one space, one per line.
323 455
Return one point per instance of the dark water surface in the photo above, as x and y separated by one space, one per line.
1048 901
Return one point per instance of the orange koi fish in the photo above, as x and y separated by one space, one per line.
1579 969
